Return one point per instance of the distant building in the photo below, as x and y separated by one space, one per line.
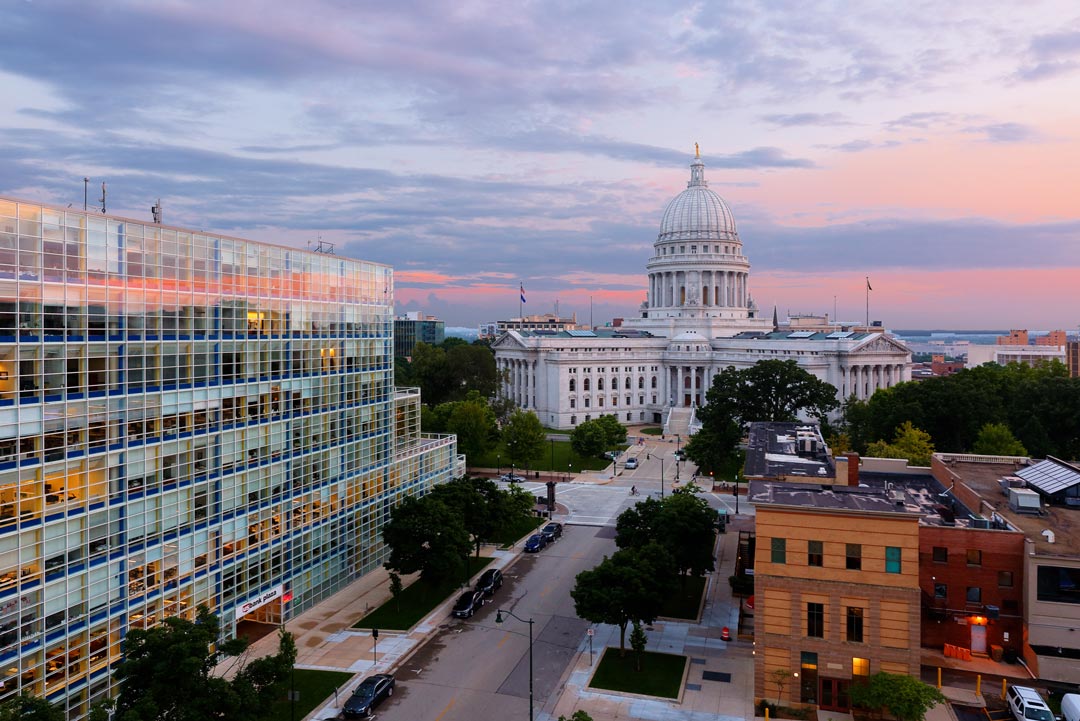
1054 337
941 367
1072 358
1011 353
698 319
1015 337
548 322
415 327
487 331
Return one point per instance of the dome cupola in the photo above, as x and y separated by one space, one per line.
697 213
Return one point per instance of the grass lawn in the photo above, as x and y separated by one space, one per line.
416 601
652 431
661 674
564 459
525 525
314 687
684 603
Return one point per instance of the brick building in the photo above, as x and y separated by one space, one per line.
833 604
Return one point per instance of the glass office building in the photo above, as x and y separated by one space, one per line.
185 419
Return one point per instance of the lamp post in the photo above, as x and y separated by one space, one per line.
499 619
569 471
552 455
498 462
736 494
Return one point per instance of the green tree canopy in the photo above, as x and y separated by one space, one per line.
448 371
909 442
426 535
523 437
769 390
30 708
638 641
1040 405
905 697
631 585
167 670
614 432
588 439
683 523
995 439
474 424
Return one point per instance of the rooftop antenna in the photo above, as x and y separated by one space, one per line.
155 210
103 197
324 246
85 191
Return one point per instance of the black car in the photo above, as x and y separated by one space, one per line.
551 531
468 604
369 694
535 544
489 581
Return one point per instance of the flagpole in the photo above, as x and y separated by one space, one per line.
867 301
521 294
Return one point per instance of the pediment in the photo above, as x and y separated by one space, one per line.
882 344
508 341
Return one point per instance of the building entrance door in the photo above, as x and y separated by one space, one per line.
834 694
686 401
978 639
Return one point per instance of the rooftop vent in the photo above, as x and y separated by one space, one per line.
1023 500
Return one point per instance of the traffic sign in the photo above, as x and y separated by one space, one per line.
589 632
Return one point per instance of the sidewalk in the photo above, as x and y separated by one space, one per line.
325 641
726 695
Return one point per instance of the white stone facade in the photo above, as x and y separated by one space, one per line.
699 319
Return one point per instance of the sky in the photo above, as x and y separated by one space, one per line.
482 146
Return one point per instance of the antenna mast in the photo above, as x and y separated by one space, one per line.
103 197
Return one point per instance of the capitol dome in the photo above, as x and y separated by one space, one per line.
697 213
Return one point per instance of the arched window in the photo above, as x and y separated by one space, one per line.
585 384
599 384
654 381
573 385
627 384
641 382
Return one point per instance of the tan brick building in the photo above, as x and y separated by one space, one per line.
836 586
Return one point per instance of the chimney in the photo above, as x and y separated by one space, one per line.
852 468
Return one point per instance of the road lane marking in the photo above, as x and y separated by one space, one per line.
448 707
503 639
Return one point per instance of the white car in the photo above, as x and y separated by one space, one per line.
631 464
511 478
1027 705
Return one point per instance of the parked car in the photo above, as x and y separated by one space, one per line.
1027 705
468 603
489 581
631 464
1070 707
551 531
535 544
611 455
369 694
512 478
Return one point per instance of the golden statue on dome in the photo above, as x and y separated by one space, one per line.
697 151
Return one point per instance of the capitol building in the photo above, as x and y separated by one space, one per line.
698 319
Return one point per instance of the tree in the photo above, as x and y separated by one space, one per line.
638 525
638 641
588 439
995 439
30 708
523 437
465 500
683 523
770 390
395 589
779 678
909 442
470 368
167 673
631 585
715 447
426 536
474 424
905 697
578 715
614 432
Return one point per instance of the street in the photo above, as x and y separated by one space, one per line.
475 669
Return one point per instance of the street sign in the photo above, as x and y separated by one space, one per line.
589 632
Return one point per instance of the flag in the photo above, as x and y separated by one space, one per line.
868 283
522 287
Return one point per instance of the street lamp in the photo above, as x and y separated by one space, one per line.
569 471
648 456
499 619
736 493
498 462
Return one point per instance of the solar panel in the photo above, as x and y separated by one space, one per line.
1050 477
840 334
802 334
581 334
